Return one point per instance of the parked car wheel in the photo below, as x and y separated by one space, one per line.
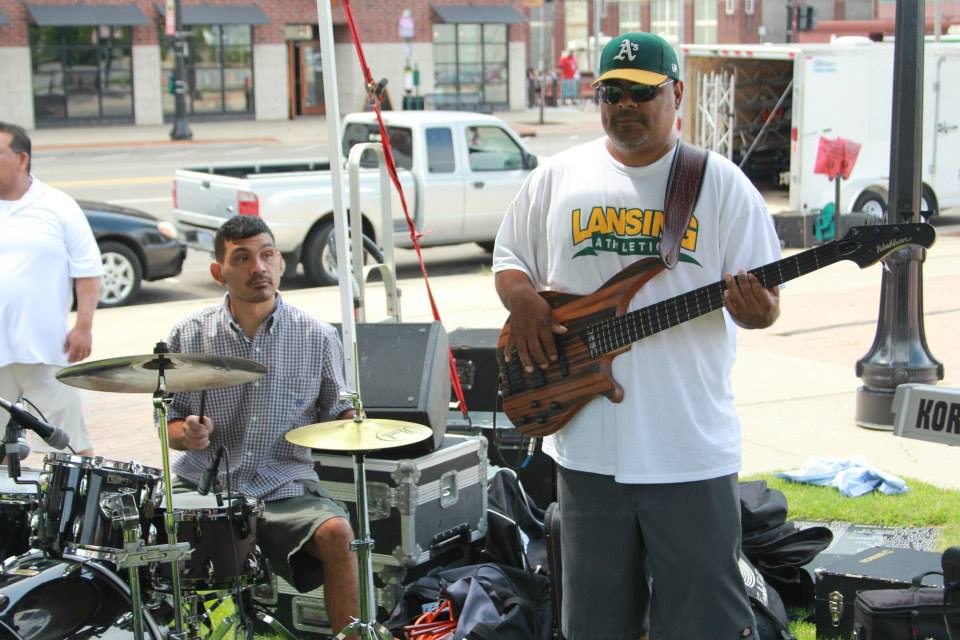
928 203
122 274
320 255
873 203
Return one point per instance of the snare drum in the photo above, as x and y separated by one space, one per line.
75 519
223 540
18 504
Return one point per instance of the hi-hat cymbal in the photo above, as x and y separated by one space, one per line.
181 372
366 435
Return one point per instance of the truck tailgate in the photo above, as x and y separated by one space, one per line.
203 202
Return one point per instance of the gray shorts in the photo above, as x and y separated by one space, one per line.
657 557
285 526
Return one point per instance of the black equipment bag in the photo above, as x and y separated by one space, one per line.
768 609
515 535
551 521
490 602
904 614
776 546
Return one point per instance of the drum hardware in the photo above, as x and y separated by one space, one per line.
359 436
163 373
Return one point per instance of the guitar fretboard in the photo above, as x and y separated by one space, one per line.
615 333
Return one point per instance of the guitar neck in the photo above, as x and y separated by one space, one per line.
615 333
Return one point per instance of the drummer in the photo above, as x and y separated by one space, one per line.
304 533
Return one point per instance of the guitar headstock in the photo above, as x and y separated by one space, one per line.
868 244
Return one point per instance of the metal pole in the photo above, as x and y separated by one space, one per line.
332 100
595 49
546 36
837 182
899 353
181 130
937 19
681 21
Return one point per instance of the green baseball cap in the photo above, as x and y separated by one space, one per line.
639 57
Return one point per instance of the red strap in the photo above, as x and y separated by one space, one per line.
392 170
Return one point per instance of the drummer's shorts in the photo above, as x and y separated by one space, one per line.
286 526
61 405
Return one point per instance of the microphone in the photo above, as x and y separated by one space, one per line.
203 487
56 438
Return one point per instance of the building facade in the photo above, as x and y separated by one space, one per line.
79 62
87 62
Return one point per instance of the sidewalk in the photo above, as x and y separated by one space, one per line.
302 131
794 383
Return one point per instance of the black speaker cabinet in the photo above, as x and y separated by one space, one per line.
475 353
405 375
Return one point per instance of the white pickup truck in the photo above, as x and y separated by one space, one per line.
459 173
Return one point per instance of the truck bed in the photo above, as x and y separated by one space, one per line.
251 170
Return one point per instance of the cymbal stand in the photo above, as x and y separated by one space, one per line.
366 626
160 403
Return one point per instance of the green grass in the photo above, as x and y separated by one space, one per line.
922 506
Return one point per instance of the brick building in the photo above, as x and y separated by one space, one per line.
70 62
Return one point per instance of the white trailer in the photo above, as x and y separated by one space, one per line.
843 89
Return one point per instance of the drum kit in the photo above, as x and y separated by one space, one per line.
93 550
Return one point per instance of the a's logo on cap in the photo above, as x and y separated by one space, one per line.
673 67
627 49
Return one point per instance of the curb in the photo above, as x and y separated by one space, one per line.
150 143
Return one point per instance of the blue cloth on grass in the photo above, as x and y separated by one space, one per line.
853 476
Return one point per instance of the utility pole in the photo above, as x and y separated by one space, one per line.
181 130
899 353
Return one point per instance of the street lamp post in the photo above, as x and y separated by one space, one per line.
181 130
899 353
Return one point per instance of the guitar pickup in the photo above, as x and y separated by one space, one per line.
536 378
511 373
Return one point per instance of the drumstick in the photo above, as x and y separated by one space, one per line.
203 400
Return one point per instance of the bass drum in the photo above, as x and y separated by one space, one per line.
68 598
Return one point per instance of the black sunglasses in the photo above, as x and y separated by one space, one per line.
613 93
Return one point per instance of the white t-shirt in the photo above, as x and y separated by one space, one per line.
45 242
581 218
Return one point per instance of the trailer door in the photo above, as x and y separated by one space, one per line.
944 171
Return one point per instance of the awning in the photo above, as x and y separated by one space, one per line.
222 14
86 15
478 13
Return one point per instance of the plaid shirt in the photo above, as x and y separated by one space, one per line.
304 360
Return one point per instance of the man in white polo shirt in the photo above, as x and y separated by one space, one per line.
47 251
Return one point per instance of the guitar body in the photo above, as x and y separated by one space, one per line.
599 327
540 403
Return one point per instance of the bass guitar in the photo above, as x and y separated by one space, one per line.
599 328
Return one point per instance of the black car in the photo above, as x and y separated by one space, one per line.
134 246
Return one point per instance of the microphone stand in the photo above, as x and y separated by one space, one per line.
12 449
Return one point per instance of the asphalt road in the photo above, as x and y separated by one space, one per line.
141 177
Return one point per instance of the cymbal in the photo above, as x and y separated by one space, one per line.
181 372
366 435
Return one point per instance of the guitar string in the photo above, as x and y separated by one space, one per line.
608 333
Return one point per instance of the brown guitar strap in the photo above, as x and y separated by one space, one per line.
683 189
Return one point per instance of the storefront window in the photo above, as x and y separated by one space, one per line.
629 15
470 65
81 73
705 22
219 62
663 19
